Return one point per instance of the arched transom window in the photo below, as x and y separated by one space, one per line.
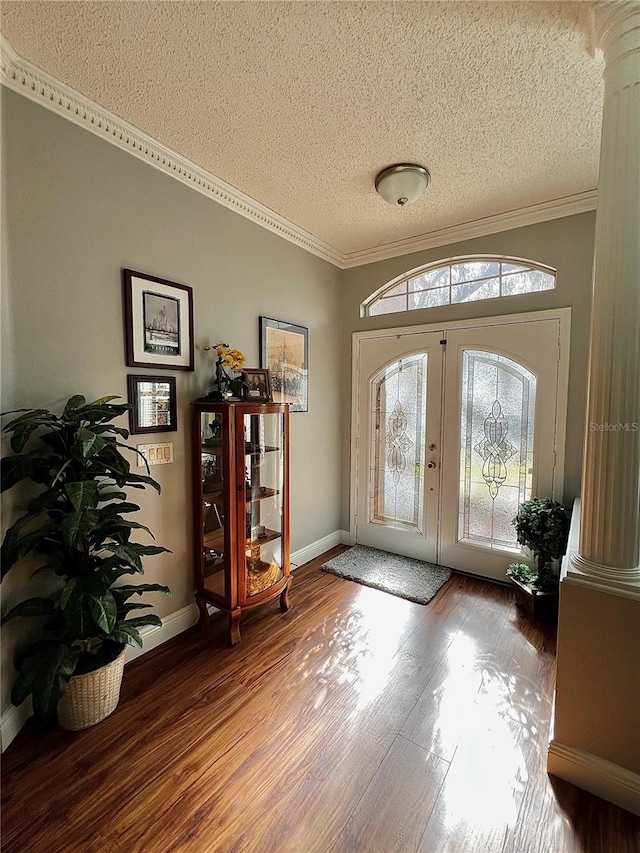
458 280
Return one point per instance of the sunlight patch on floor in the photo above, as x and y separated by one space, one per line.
382 626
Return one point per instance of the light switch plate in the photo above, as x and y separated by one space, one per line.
156 454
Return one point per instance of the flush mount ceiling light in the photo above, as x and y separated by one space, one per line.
402 183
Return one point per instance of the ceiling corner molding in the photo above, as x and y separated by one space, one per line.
23 77
37 85
556 209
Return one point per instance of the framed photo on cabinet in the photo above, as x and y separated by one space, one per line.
284 351
257 385
158 320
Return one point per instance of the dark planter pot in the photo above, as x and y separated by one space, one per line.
541 606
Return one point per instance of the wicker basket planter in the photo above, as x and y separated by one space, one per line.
90 698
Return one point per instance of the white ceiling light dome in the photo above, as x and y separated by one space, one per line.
402 183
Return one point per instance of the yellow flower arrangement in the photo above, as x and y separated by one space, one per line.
231 358
226 359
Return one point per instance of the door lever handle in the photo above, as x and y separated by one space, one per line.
431 465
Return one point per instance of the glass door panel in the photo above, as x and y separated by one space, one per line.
264 488
496 447
212 467
397 444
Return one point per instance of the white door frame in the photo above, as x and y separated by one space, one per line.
563 315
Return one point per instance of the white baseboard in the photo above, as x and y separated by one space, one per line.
310 552
610 781
13 719
172 625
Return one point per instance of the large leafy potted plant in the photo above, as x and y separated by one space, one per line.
542 525
78 525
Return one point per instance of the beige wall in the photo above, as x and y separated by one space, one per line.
598 678
565 244
78 210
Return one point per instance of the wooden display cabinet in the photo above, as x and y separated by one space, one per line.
241 507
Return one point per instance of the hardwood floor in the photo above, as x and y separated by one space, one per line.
355 722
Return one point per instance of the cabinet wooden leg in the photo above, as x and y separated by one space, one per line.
234 627
284 598
203 621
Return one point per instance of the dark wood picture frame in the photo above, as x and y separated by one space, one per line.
257 385
158 322
152 410
284 351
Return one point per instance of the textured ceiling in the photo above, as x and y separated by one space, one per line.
299 104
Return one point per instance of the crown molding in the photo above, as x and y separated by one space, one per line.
556 209
23 77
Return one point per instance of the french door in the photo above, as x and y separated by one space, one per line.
400 398
454 428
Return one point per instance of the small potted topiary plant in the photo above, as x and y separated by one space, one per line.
77 524
542 525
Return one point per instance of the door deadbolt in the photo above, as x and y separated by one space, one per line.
432 447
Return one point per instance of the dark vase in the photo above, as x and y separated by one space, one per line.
223 384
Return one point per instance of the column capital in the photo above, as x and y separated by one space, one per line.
608 14
616 31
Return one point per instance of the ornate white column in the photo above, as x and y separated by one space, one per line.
610 516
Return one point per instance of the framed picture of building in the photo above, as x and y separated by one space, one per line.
158 321
284 351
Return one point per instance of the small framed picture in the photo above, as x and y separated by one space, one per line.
158 322
153 404
284 350
257 385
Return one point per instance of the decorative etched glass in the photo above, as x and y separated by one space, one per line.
496 447
398 423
